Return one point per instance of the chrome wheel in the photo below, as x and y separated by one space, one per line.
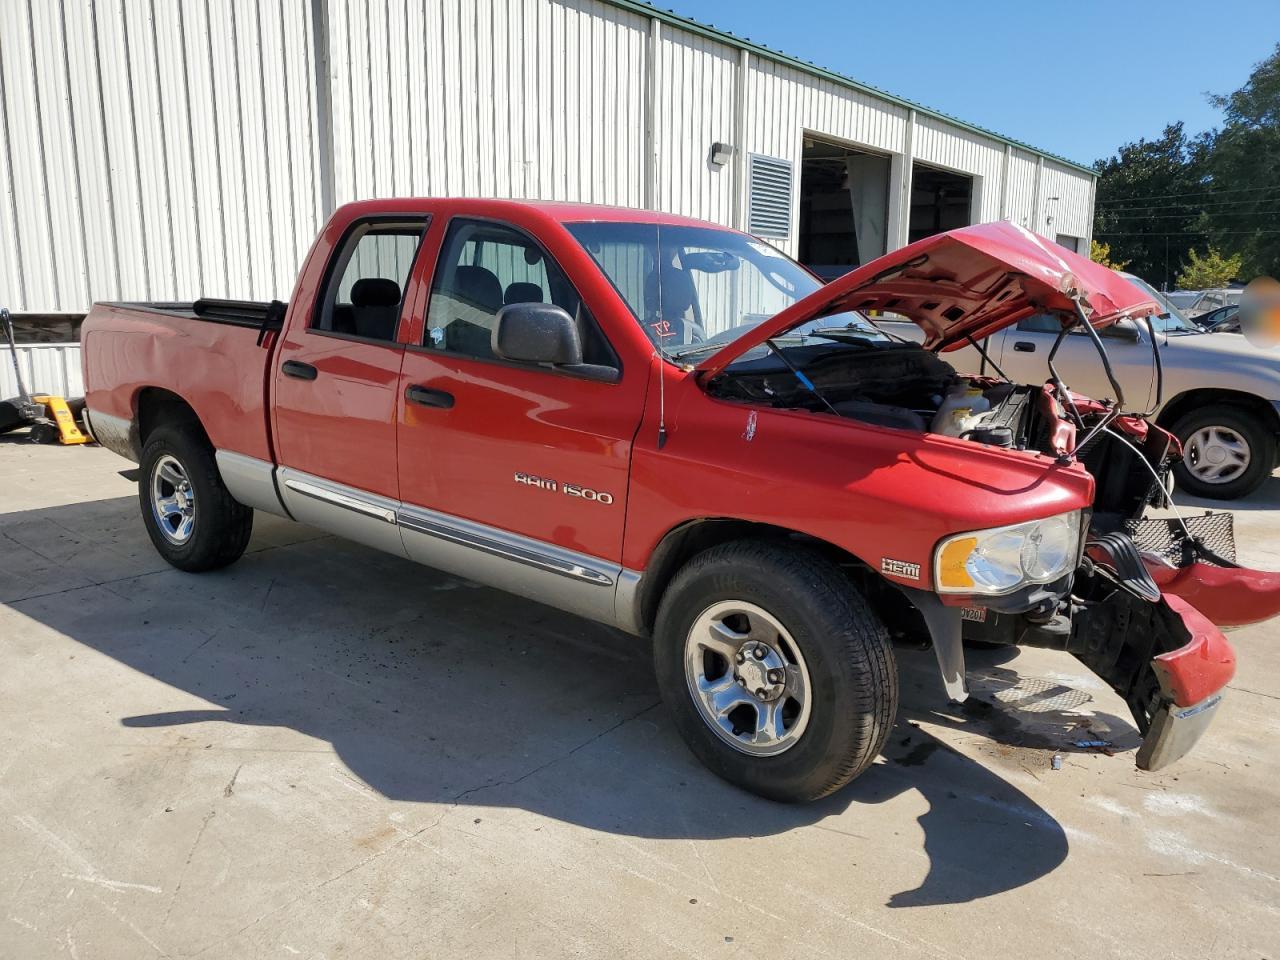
747 678
173 502
1217 454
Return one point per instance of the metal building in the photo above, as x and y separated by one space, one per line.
166 149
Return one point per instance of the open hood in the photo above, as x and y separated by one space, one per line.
963 283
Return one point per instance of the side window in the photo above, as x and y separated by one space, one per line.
1040 323
365 287
482 268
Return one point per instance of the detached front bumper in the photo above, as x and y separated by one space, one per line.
1164 657
1191 680
1228 596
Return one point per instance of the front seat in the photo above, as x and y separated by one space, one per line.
476 295
375 307
521 292
676 323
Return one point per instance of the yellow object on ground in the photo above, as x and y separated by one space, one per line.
57 407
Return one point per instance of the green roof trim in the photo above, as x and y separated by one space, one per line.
777 56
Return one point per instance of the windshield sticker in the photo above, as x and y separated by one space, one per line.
662 328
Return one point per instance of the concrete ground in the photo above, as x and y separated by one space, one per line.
323 751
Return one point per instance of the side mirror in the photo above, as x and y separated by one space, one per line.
536 333
1126 330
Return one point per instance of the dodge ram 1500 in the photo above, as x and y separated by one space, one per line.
670 427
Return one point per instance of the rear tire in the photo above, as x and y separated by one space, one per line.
816 628
1227 441
191 518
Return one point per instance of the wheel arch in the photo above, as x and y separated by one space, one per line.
684 541
1201 397
154 407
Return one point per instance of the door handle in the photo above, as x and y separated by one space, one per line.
426 397
1024 346
298 370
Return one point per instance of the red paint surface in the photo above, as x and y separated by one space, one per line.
1228 597
876 492
1203 666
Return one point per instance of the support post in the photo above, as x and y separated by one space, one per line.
1004 181
651 115
740 140
903 221
324 106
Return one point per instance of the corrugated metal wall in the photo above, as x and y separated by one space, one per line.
46 368
523 98
1072 212
164 149
154 149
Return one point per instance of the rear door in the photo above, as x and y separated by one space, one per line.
513 474
337 381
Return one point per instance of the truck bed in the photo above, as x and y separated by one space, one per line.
239 313
205 352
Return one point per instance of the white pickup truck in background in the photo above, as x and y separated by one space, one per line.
1220 397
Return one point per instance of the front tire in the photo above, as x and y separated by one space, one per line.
1227 452
778 674
190 516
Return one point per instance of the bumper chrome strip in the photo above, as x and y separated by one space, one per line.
541 561
318 492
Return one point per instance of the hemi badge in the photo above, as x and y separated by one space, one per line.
900 568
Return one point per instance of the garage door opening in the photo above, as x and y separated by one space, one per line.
939 201
844 207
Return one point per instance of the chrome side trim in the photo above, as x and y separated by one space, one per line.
340 498
565 579
114 433
626 602
570 581
505 545
342 510
250 481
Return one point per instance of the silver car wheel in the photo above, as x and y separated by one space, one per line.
747 678
1217 454
173 502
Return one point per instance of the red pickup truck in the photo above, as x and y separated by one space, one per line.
670 427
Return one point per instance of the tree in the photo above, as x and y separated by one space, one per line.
1211 270
1101 253
1242 161
1143 211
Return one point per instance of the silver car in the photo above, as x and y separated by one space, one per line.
1221 395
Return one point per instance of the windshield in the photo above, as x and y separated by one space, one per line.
694 289
1172 320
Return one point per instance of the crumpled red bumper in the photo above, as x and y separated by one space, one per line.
1203 666
1192 678
1228 597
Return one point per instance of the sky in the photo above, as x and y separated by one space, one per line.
1077 78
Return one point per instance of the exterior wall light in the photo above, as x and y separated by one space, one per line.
721 153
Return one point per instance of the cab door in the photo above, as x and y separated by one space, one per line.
1024 353
513 474
336 384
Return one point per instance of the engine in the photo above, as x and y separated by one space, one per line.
904 386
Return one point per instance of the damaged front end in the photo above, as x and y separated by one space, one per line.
1163 657
1143 608
1141 617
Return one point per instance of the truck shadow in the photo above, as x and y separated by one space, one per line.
435 690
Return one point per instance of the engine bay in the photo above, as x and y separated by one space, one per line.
904 386
890 385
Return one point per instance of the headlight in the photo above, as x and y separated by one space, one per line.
999 561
